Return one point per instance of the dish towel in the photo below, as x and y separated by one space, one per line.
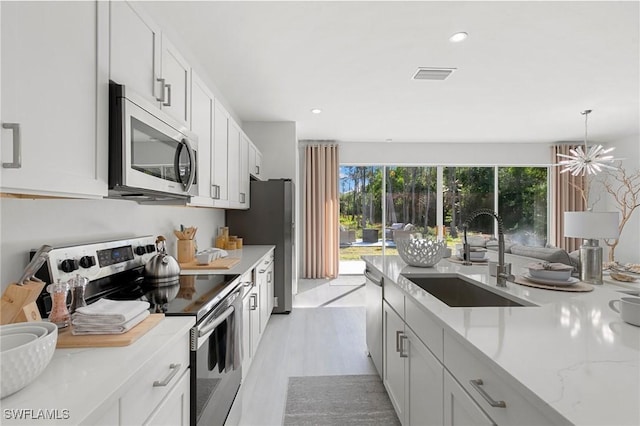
109 317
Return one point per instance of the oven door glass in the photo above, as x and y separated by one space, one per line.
218 368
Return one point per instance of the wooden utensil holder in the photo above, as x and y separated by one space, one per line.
186 251
18 302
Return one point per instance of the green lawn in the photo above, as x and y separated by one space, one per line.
354 253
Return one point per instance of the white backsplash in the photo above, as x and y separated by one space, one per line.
27 224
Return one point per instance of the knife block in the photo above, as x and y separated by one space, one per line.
18 302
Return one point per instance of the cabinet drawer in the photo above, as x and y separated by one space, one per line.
517 410
394 296
425 327
142 397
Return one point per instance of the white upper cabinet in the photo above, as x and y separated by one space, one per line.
145 60
255 162
244 170
202 104
233 160
135 51
176 83
55 98
219 180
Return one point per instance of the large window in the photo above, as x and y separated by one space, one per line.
379 203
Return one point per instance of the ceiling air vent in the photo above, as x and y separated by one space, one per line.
432 73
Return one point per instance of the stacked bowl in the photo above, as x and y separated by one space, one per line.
25 351
551 273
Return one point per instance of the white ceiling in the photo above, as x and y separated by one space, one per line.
524 74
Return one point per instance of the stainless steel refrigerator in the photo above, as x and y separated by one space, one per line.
270 220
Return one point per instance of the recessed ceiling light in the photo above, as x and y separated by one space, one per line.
458 37
316 110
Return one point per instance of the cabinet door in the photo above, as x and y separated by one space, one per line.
264 296
174 409
202 104
219 156
258 164
233 159
247 349
254 312
135 50
424 384
459 408
394 365
270 292
55 59
176 73
244 171
255 161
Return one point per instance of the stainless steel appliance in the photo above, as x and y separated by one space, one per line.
373 294
151 156
270 220
116 270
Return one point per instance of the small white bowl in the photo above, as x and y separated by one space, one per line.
24 327
13 341
558 272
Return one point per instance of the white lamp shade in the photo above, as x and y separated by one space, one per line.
591 225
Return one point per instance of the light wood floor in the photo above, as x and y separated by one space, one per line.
323 335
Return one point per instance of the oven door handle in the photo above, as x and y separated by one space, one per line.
216 322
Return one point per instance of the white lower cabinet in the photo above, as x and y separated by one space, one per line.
459 408
443 382
174 409
412 374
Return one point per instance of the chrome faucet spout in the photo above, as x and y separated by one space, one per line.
502 275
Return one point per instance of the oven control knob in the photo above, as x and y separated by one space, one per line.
68 265
150 248
87 261
140 250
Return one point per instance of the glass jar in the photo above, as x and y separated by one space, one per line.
59 313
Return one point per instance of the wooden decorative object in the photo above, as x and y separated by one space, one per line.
18 302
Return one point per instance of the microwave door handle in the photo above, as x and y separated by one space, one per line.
176 163
192 169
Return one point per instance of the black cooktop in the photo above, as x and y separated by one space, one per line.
187 295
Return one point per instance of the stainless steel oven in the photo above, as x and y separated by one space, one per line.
217 361
151 156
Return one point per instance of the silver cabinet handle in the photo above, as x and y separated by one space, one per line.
17 146
162 84
269 276
174 370
257 170
168 102
216 192
403 338
477 385
253 297
398 334
242 197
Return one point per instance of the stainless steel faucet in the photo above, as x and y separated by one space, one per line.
502 275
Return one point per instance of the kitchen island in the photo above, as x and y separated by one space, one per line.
568 359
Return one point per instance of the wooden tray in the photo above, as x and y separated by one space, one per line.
577 287
68 340
224 263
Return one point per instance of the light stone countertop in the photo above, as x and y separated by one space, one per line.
77 382
571 352
249 257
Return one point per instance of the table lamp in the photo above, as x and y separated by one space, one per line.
591 226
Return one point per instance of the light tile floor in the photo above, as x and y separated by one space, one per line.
323 335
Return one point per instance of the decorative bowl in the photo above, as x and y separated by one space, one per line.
419 252
550 271
24 327
22 365
474 254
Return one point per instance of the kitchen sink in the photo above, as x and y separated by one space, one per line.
458 292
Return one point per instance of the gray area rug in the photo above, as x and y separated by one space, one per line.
338 400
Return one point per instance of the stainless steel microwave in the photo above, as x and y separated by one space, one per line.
152 158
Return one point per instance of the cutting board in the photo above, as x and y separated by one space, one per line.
68 340
224 263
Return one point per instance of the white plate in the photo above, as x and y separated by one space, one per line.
570 281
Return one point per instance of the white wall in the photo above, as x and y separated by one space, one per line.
277 142
27 224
